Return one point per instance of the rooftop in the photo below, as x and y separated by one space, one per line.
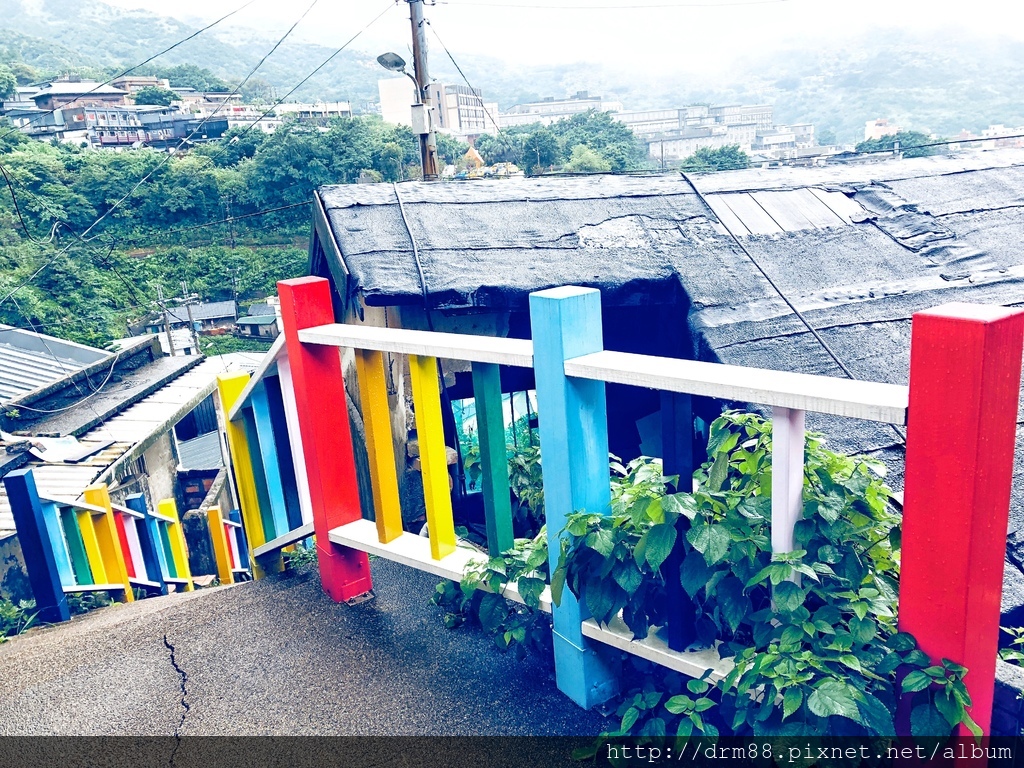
751 260
210 310
30 361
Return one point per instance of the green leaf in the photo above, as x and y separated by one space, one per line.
916 681
834 697
926 720
712 541
718 473
530 590
694 573
875 716
660 540
788 596
703 705
679 704
863 630
697 686
629 719
493 611
601 541
791 701
627 576
680 504
950 708
557 585
734 604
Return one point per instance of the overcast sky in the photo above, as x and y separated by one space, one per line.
631 34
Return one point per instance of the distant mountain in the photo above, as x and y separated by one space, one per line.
934 82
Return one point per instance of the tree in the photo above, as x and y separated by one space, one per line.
450 149
156 96
601 132
8 82
707 160
586 160
191 76
826 137
257 91
910 143
541 150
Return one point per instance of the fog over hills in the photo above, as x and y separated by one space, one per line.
929 79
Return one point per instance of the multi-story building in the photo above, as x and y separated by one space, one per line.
61 93
319 112
135 83
683 142
551 110
455 109
876 129
737 114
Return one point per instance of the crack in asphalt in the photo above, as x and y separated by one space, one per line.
184 695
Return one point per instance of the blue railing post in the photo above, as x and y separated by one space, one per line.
566 323
149 546
271 464
36 546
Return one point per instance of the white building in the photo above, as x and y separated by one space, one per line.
551 110
455 109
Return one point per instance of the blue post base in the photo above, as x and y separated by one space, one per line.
582 674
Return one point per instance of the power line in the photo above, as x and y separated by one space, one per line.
132 69
647 6
229 219
463 74
303 81
82 237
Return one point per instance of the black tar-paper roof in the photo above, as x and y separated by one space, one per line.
856 249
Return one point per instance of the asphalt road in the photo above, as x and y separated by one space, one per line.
278 657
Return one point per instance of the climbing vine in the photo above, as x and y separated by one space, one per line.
811 634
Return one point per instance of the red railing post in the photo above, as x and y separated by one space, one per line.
965 369
326 436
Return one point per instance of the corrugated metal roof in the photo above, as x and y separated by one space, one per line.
202 452
257 320
30 360
210 310
131 430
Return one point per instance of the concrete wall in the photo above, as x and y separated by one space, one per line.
14 583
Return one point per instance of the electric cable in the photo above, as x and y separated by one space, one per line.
824 344
391 4
82 237
132 69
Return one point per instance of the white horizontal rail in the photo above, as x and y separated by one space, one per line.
293 536
799 391
63 502
414 551
268 360
449 346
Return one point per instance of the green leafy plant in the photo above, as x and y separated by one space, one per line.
812 633
480 596
527 483
299 558
83 602
16 618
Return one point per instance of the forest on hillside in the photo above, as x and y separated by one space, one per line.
91 237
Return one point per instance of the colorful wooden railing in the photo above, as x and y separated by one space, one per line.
960 408
95 546
268 462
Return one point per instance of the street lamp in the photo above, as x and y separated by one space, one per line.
420 114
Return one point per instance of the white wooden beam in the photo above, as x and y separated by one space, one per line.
823 394
448 346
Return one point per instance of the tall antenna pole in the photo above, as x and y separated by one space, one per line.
428 141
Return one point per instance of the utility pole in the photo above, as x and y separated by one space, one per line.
187 301
428 140
167 321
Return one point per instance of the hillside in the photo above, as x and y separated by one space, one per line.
933 82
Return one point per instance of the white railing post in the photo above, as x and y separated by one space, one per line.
787 475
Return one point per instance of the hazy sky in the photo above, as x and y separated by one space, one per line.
631 34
